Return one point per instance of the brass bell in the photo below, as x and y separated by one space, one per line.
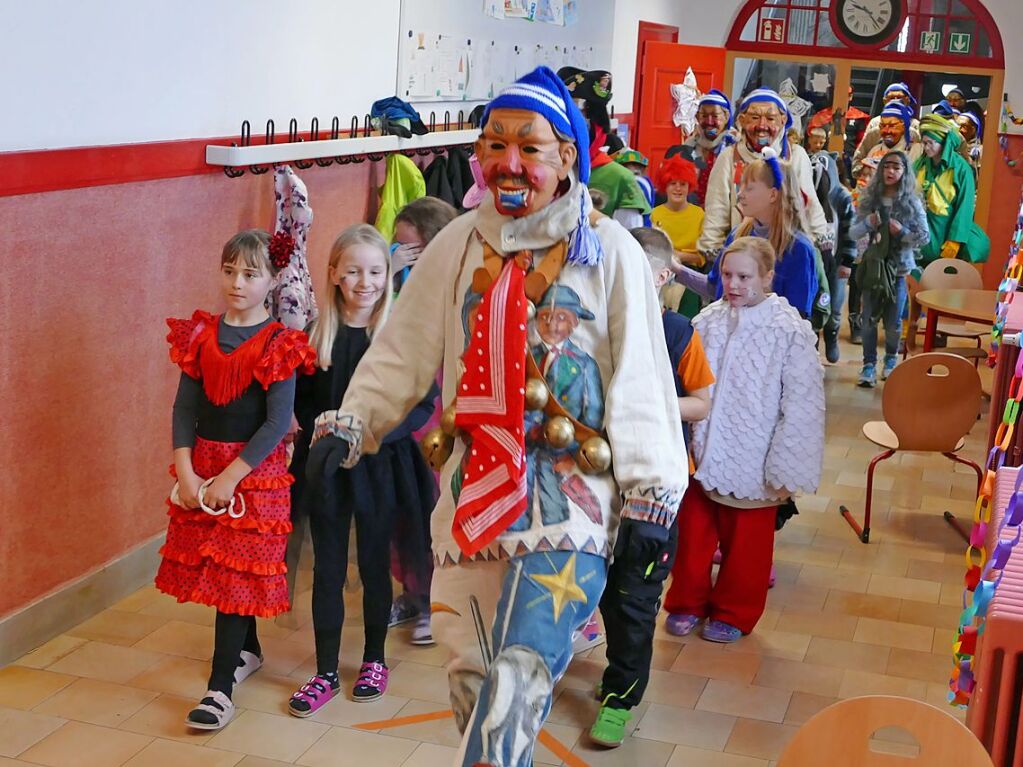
594 456
559 431
530 310
437 448
447 421
536 394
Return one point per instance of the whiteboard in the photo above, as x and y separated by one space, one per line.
455 52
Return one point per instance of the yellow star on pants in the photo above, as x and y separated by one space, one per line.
563 587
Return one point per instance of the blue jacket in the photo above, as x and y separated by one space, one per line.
678 332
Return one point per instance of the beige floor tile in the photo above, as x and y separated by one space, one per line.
189 612
857 683
20 730
749 701
585 673
106 662
25 688
419 682
862 605
118 627
875 561
795 676
258 761
164 718
568 737
344 712
683 756
140 599
892 634
847 655
430 755
773 644
925 666
283 656
95 702
838 578
77 744
898 587
338 745
710 660
176 676
942 572
685 727
951 595
805 705
577 708
925 614
820 624
267 693
943 641
674 689
762 740
180 638
5 762
441 732
635 751
804 555
274 737
168 753
796 595
51 652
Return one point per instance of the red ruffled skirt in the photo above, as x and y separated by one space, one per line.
235 565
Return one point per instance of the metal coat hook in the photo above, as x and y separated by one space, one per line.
367 131
259 170
244 140
353 132
461 119
433 121
447 120
314 135
293 137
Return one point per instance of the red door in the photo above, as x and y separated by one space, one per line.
663 65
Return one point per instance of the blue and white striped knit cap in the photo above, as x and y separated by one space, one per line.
975 120
767 96
714 97
902 112
542 92
900 87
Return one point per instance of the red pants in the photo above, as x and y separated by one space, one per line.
746 538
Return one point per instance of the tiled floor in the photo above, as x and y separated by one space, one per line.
844 619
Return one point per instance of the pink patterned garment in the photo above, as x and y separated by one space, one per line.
292 302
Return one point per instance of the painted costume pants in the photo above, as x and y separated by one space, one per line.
746 537
530 605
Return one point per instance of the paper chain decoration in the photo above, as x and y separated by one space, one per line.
984 569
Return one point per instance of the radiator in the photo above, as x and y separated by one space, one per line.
994 714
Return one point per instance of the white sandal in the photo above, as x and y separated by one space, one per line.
213 712
249 665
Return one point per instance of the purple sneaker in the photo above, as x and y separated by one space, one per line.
311 696
723 633
372 682
680 624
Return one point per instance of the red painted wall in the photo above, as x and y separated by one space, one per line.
1004 210
86 383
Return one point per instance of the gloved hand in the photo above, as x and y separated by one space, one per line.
950 249
640 544
326 457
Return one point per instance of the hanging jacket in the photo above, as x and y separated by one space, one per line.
292 302
404 183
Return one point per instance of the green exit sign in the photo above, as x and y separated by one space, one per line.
959 42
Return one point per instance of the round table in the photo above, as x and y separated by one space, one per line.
966 305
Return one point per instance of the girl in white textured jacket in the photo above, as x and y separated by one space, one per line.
761 444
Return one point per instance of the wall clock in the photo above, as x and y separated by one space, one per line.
867 23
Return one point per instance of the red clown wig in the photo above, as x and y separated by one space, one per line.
675 168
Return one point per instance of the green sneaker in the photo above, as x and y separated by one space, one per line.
609 729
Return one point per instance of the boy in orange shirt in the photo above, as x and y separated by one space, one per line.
632 597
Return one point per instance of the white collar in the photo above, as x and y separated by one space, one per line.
541 229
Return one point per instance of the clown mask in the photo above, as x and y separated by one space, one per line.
892 131
967 128
762 124
712 120
956 100
901 96
524 162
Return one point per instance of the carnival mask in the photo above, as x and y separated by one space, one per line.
897 96
967 128
762 123
892 131
524 162
712 120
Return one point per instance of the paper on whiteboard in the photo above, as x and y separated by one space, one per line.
516 9
571 12
494 8
551 12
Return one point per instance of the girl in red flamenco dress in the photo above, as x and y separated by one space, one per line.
230 510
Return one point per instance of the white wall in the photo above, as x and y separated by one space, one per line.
119 71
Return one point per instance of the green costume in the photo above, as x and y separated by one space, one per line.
621 188
949 191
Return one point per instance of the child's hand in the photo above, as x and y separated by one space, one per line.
844 272
874 220
895 227
188 490
689 258
405 255
219 492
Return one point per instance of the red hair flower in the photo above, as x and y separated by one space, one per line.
282 245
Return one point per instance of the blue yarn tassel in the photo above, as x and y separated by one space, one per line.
584 246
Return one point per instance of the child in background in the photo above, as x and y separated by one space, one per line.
632 597
868 168
230 511
681 220
761 444
892 217
393 481
637 164
769 198
415 226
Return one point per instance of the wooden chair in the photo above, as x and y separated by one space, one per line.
943 274
930 403
839 736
